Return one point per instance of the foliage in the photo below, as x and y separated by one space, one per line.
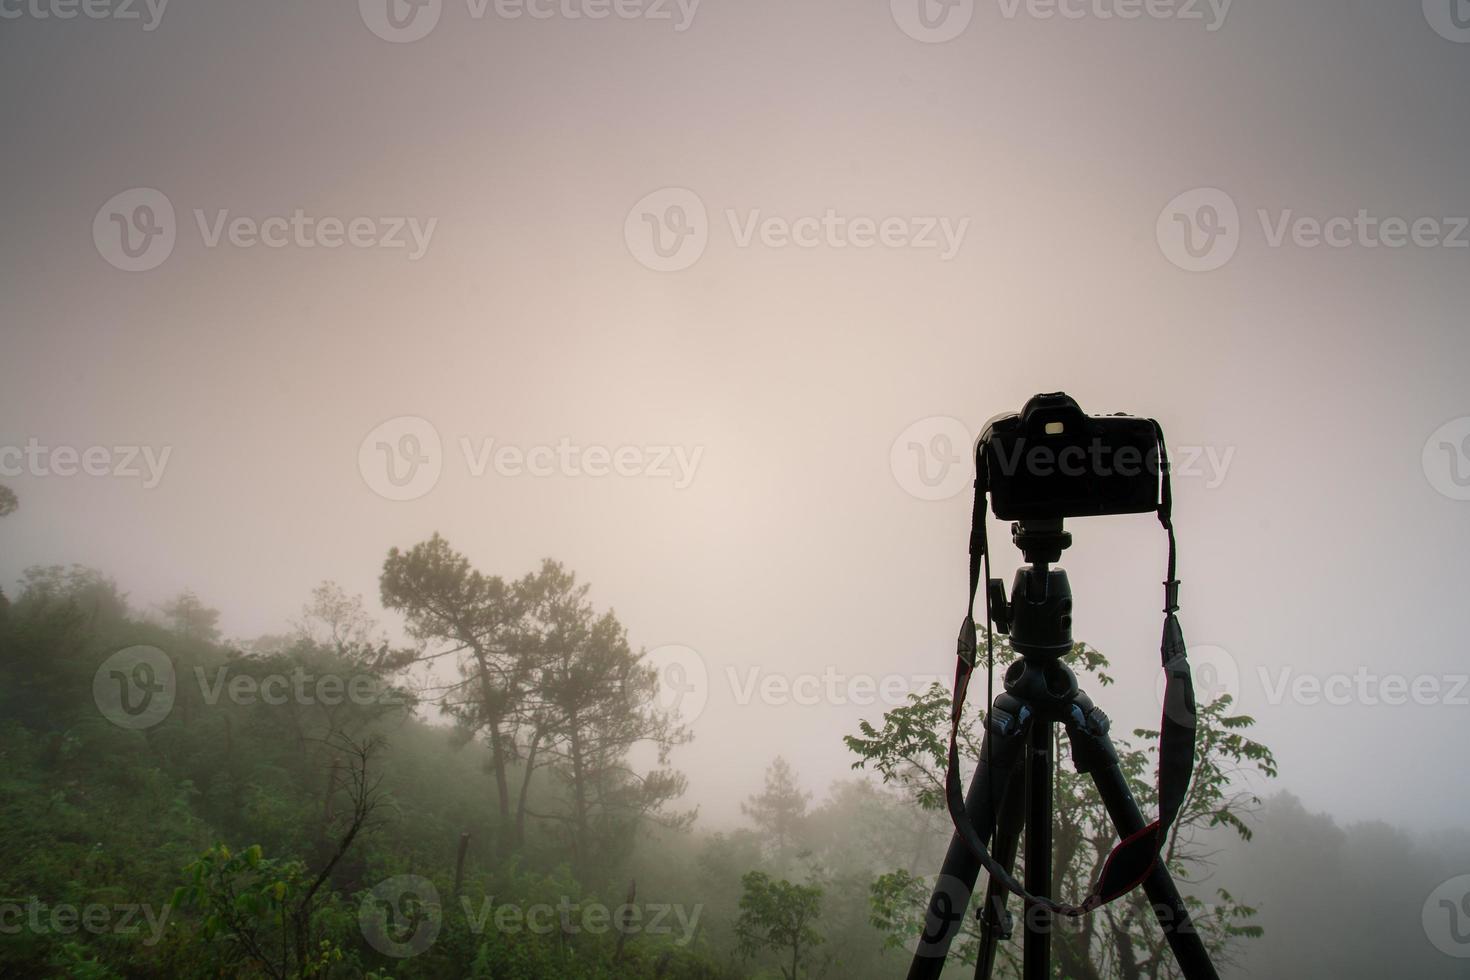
780 808
910 749
779 917
231 821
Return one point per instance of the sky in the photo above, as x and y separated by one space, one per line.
318 280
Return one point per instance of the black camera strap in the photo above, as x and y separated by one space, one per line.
1133 858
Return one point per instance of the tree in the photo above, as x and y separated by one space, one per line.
778 917
267 909
454 610
75 593
190 618
340 622
591 702
8 503
1122 939
780 810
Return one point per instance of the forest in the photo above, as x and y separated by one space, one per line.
499 796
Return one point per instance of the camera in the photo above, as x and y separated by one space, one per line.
1053 461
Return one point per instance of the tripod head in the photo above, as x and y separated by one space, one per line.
1037 614
1041 542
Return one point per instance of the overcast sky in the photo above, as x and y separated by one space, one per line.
744 257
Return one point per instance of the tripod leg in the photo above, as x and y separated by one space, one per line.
999 755
1094 754
994 921
1036 959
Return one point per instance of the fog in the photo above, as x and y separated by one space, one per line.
707 300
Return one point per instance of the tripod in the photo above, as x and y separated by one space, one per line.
1012 786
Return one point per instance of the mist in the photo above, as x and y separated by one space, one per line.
524 362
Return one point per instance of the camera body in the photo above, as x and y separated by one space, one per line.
1052 461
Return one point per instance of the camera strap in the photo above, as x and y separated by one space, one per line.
1133 859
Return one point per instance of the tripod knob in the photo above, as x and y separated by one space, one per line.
1000 607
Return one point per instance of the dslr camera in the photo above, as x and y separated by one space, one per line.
1052 461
